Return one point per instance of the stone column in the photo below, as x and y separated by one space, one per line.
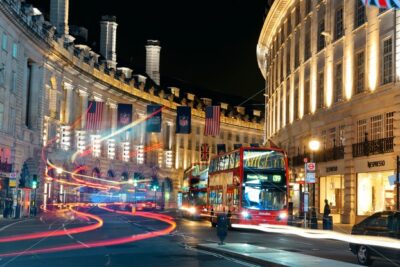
68 103
84 102
349 214
113 110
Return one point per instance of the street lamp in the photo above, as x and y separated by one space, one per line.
314 145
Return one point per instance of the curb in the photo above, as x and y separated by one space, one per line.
241 257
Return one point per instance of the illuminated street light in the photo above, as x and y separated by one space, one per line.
59 170
314 145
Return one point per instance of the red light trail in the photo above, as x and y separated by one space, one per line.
116 241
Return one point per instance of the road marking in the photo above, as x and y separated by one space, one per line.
14 223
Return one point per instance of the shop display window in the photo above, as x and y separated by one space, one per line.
332 189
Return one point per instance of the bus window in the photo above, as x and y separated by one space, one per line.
237 159
226 162
221 164
235 196
232 161
219 197
212 197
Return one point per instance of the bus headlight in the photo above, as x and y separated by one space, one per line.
192 210
282 216
245 214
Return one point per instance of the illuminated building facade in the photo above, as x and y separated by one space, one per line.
46 82
332 70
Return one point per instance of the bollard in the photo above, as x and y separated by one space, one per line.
314 219
222 227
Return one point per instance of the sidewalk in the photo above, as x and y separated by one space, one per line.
271 257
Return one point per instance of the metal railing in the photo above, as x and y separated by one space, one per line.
373 147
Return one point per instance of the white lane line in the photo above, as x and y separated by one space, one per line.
14 223
80 242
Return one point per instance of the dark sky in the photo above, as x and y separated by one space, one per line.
208 43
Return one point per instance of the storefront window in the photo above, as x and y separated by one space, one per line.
332 189
374 193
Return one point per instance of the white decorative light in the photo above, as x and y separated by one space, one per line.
80 141
168 158
126 151
111 148
65 131
96 145
45 132
140 154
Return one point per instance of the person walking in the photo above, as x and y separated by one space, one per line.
325 218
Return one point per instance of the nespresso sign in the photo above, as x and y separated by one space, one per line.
379 163
331 169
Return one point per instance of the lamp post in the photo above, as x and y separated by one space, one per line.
314 145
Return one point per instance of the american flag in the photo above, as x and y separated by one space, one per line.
212 120
94 115
383 3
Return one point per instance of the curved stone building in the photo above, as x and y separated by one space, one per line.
332 70
46 81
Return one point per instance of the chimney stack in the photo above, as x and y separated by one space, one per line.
59 16
108 40
153 60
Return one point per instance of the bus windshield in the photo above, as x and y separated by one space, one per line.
264 191
198 198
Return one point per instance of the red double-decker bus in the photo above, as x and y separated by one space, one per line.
249 184
194 190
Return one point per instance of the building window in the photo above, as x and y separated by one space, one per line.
307 97
282 66
320 93
4 41
229 136
297 51
387 58
282 35
237 138
13 86
289 24
246 139
339 23
361 130
341 135
296 103
197 130
287 102
189 144
359 17
307 40
1 115
389 124
28 121
332 189
376 127
15 50
282 110
288 48
321 38
197 146
308 6
332 137
323 138
11 121
338 83
298 15
360 72
374 193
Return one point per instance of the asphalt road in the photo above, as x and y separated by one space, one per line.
201 232
175 249
159 251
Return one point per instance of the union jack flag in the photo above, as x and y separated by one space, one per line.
205 152
94 115
212 120
383 3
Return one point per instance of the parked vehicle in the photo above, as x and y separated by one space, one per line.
383 224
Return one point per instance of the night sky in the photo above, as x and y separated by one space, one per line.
209 43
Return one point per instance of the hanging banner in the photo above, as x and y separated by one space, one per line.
221 149
387 4
237 146
183 120
124 115
204 152
154 119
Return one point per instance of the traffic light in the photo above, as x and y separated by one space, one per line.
34 181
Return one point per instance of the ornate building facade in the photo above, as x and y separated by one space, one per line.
332 70
46 82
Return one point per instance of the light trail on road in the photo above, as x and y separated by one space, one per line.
109 242
324 234
75 230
